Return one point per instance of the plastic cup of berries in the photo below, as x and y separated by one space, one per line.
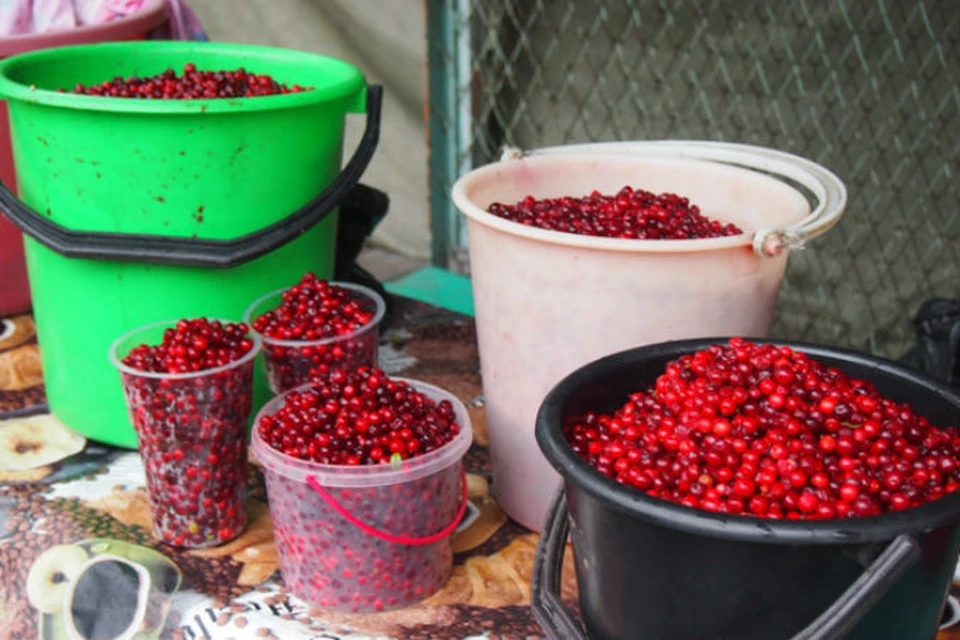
188 386
316 327
366 487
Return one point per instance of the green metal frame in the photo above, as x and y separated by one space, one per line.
450 91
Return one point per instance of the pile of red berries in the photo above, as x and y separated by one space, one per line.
191 85
192 430
192 345
358 417
329 321
631 213
767 431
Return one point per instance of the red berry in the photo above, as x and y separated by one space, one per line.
191 85
767 431
631 213
341 419
192 430
379 421
329 321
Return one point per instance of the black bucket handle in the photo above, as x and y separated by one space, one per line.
195 252
834 623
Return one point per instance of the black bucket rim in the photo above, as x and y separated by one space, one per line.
575 470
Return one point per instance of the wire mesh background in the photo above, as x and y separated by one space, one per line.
867 88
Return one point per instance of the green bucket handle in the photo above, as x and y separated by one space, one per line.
195 252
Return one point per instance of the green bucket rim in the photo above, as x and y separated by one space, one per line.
350 81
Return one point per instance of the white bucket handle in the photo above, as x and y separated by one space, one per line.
826 187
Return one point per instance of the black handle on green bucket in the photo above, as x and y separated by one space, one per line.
195 252
834 623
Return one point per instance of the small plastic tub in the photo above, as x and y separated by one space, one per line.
192 430
370 537
291 363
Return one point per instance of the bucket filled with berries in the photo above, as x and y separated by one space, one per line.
231 157
577 252
315 327
366 487
745 489
189 386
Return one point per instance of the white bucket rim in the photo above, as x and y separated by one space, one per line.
829 191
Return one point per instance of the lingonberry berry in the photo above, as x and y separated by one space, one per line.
317 327
355 418
631 213
189 399
358 417
797 439
190 85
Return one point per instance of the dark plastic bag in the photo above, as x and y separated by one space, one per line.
937 352
360 213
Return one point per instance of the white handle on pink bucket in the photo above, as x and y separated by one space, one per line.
828 190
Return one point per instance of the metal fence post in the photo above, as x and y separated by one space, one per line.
450 118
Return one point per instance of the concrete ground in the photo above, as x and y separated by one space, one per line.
388 265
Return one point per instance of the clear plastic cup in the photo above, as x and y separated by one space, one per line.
192 429
370 537
291 363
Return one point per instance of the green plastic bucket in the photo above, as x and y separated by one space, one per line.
141 210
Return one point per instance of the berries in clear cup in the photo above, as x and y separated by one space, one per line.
630 213
767 431
192 84
382 452
316 327
188 387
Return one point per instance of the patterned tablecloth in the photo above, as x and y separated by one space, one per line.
94 500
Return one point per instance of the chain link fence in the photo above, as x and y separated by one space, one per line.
868 88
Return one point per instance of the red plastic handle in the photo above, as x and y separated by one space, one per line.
389 537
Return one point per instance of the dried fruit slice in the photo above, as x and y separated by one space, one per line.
36 441
20 368
51 575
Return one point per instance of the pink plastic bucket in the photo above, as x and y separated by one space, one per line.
548 302
372 537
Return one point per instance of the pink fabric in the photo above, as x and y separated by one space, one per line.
16 17
19 17
53 15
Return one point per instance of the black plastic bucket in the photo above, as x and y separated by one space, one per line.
653 570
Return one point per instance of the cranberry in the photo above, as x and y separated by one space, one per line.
352 418
797 439
332 564
631 213
358 417
191 85
318 327
189 400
